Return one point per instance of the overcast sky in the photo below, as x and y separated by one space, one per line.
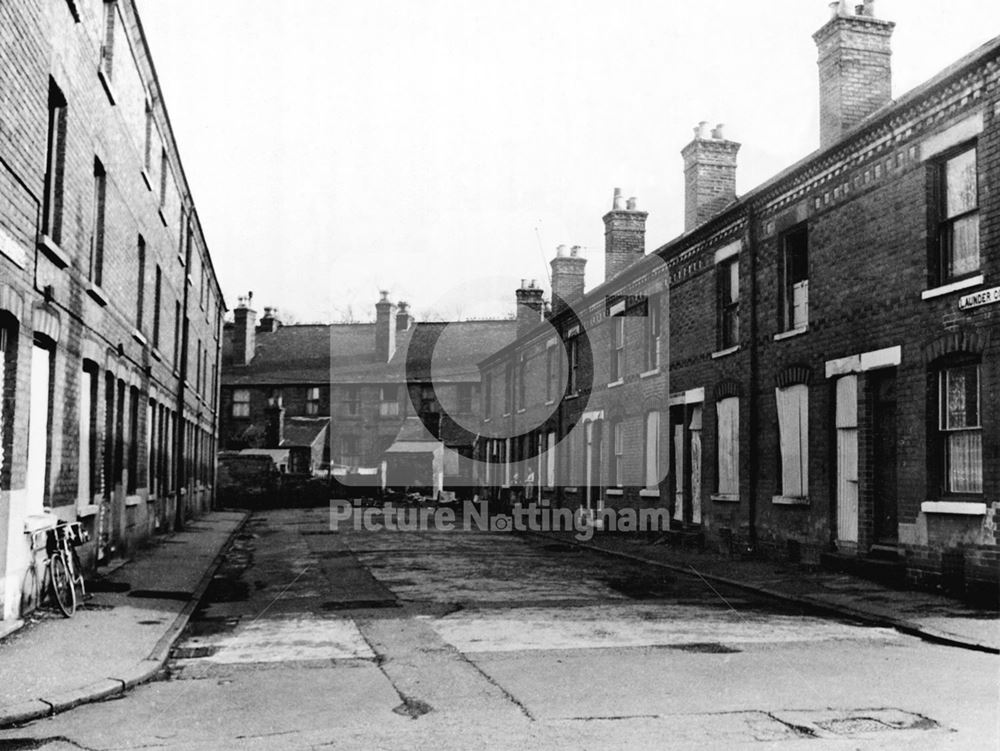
442 149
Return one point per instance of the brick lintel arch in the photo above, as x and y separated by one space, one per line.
955 342
726 389
11 302
45 323
794 374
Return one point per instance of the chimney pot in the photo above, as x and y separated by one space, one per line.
616 203
717 132
575 251
630 205
702 130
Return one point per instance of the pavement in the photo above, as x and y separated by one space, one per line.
929 616
122 635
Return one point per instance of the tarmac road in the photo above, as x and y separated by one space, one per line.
461 640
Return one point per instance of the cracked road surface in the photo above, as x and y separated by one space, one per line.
463 640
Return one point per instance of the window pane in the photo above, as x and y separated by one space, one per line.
960 184
965 462
733 293
961 408
964 244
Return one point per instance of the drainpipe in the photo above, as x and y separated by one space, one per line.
753 428
180 436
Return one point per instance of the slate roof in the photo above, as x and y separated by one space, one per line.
345 353
303 431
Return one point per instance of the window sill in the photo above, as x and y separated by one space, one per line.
647 493
616 384
614 491
97 294
157 355
105 78
180 260
726 351
145 179
13 250
132 500
947 289
37 522
963 508
487 419
505 414
74 10
726 497
650 373
53 252
163 217
571 490
790 500
549 402
521 411
790 333
87 510
140 338
574 395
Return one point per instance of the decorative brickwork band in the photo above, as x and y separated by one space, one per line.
794 374
957 341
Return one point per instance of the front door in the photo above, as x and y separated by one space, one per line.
884 449
847 462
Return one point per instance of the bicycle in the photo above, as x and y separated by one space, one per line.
62 564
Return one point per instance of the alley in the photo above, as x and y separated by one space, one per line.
309 638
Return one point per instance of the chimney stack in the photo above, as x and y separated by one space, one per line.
567 276
403 318
385 330
244 331
269 322
624 235
709 175
855 71
529 306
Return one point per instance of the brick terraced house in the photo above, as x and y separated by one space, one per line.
389 422
110 310
831 339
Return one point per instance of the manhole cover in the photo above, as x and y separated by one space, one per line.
192 653
358 604
561 547
160 594
853 725
107 586
705 647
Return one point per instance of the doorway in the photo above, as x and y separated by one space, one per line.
885 512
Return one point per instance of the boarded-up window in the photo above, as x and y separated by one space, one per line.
728 418
793 432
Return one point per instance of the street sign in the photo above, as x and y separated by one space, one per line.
982 297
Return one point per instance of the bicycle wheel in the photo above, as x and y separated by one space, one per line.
62 584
